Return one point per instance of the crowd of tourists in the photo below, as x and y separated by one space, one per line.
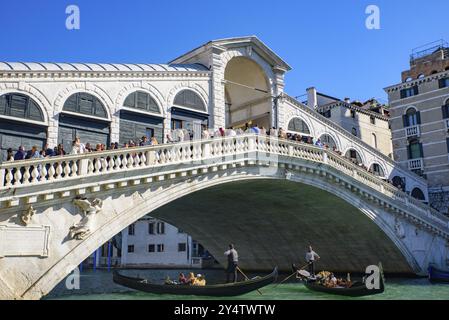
190 280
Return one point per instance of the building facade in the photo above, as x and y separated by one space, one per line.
420 121
367 121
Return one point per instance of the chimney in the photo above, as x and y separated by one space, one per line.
312 100
347 100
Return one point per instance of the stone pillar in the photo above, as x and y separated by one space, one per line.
217 90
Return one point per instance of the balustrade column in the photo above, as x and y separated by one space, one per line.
2 176
83 167
205 150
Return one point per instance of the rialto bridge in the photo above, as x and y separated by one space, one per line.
270 196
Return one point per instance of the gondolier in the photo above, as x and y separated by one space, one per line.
233 259
311 256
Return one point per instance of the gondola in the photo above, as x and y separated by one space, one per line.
216 290
358 289
438 275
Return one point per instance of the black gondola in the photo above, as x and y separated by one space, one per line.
215 290
438 275
358 289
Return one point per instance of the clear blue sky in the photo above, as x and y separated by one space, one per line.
325 41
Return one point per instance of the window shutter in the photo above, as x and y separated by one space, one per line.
409 151
445 110
418 117
405 120
415 90
421 150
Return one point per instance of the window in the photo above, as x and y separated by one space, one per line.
86 104
141 101
160 228
418 194
20 106
298 125
160 247
374 140
151 228
444 83
131 229
328 141
353 114
151 248
354 132
131 248
409 92
445 110
372 120
327 113
377 170
189 99
415 150
176 124
182 247
411 118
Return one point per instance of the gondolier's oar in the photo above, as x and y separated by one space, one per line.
293 274
240 270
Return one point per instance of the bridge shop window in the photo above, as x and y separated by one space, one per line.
140 117
83 116
189 113
409 92
15 130
298 126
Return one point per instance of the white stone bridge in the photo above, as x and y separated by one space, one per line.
44 233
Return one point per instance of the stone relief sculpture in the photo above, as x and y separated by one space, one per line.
399 229
89 209
25 217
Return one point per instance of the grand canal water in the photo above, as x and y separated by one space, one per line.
98 285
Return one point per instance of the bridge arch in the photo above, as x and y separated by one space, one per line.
355 153
159 195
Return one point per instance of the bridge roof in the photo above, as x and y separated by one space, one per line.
98 67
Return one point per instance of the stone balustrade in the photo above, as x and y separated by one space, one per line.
22 174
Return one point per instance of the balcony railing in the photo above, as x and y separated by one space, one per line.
412 132
416 164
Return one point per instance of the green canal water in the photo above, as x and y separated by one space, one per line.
98 285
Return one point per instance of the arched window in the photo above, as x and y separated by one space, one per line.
377 170
354 131
327 140
85 104
20 106
141 101
399 183
408 79
189 99
411 117
421 76
374 140
354 156
418 194
298 125
434 72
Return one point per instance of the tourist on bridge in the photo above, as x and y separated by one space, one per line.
233 259
310 259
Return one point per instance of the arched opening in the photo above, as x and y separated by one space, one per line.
421 76
329 142
411 117
247 94
418 194
189 114
434 72
140 119
399 182
297 125
377 170
83 116
21 124
354 156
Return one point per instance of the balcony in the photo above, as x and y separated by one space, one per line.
416 164
412 132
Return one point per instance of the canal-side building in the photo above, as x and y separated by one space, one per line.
419 107
367 121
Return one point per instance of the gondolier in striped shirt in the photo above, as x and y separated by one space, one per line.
311 256
233 259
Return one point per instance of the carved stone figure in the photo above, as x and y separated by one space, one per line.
399 229
25 217
89 209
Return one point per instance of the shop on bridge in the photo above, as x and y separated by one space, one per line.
140 116
189 113
83 116
22 123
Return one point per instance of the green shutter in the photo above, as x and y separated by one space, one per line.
418 117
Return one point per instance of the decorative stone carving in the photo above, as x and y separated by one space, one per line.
25 217
399 229
89 209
